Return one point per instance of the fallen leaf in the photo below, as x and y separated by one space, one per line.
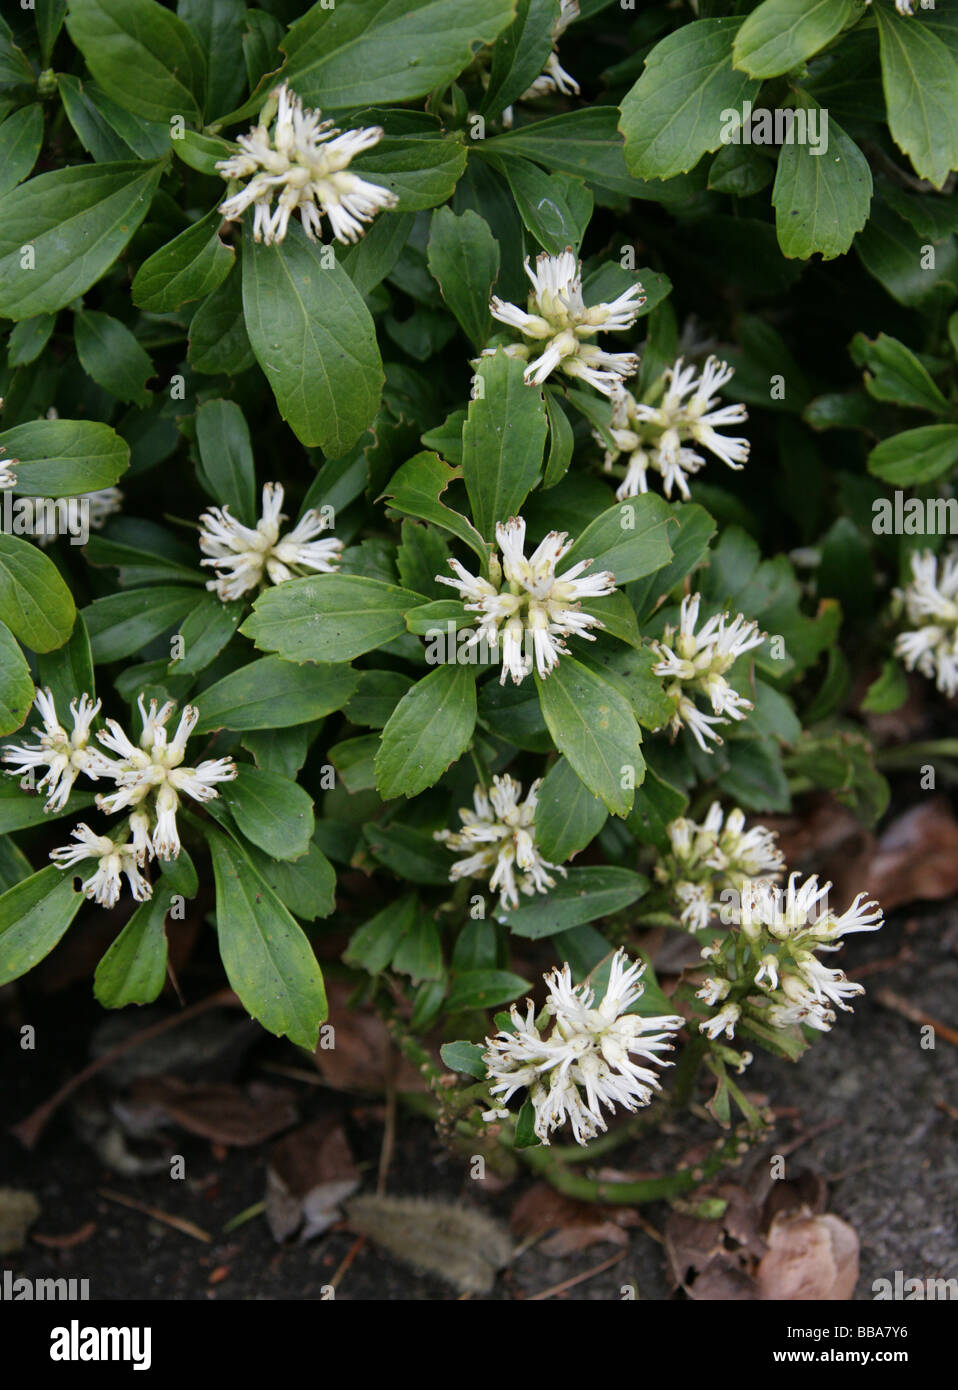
221 1113
576 1225
357 1058
809 1257
310 1172
915 857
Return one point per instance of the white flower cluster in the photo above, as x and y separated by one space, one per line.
712 859
557 321
585 1063
244 557
655 433
768 968
904 7
930 601
149 777
697 663
500 835
303 161
7 476
537 609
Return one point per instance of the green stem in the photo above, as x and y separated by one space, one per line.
912 752
687 1070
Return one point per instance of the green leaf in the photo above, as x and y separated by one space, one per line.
561 442
226 454
657 803
379 51
484 989
755 779
464 1057
568 816
542 203
419 953
186 268
328 617
123 623
219 26
740 170
690 545
630 538
111 355
503 440
34 914
421 173
21 136
76 221
143 56
272 811
268 960
20 808
314 339
372 946
68 671
888 691
203 152
219 342
28 339
416 488
307 886
408 853
372 258
271 693
586 144
893 252
822 194
48 16
35 603
463 256
920 77
593 725
63 458
204 633
915 456
894 373
676 112
133 970
781 34
582 896
520 54
377 695
16 683
427 732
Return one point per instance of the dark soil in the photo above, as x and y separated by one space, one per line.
891 1162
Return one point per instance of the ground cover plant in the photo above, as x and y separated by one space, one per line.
465 468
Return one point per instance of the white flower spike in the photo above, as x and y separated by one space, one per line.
930 602
499 835
527 620
696 662
586 1062
64 755
303 162
154 768
557 322
113 859
245 557
655 437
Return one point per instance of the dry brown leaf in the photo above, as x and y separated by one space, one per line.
809 1257
576 1225
310 1172
222 1113
915 857
361 1046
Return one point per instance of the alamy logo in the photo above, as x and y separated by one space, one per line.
784 126
902 1288
23 1290
46 517
76 1343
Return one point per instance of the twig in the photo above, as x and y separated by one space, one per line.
178 1223
354 1250
28 1131
890 1000
577 1278
389 1129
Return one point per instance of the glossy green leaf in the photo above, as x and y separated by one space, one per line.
429 730
592 723
272 693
